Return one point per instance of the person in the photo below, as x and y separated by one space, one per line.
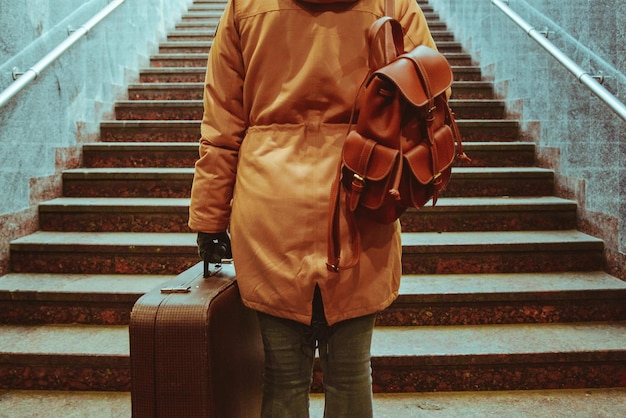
281 79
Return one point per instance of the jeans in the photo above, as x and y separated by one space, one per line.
344 351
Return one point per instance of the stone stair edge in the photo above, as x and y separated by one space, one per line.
414 288
418 241
443 203
405 344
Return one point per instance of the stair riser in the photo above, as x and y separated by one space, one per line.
466 377
139 158
205 36
193 71
120 133
193 111
128 188
115 222
441 314
502 312
194 75
200 61
64 377
50 312
173 261
98 262
424 221
177 93
187 158
204 47
458 221
162 187
483 262
191 133
386 379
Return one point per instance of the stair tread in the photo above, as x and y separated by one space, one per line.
476 340
413 288
552 403
415 241
403 342
443 203
427 242
104 239
445 287
81 340
39 286
476 171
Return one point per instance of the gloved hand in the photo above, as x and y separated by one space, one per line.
213 247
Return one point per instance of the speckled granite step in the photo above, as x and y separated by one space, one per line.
176 182
104 253
93 214
423 253
500 252
597 403
192 109
507 298
38 298
194 91
189 131
140 154
44 298
405 359
178 154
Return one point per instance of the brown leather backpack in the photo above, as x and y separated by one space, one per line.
401 152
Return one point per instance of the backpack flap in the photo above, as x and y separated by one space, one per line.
421 160
403 72
366 171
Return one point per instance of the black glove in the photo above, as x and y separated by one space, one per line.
213 247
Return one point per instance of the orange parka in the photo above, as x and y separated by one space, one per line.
281 79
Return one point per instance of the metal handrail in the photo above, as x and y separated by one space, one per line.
582 76
33 72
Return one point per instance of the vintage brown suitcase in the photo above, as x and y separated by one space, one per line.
196 351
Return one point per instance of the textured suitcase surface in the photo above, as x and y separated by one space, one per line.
196 351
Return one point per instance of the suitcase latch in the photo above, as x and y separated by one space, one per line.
176 289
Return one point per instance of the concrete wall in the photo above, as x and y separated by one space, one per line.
42 128
576 134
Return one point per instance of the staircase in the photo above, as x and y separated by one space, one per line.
500 292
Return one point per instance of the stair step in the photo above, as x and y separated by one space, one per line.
114 215
503 154
179 35
177 59
89 214
196 73
499 357
138 154
570 403
500 252
40 298
404 359
176 182
150 131
492 214
442 299
189 131
513 298
193 109
128 182
172 75
65 357
193 91
104 253
423 253
177 154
